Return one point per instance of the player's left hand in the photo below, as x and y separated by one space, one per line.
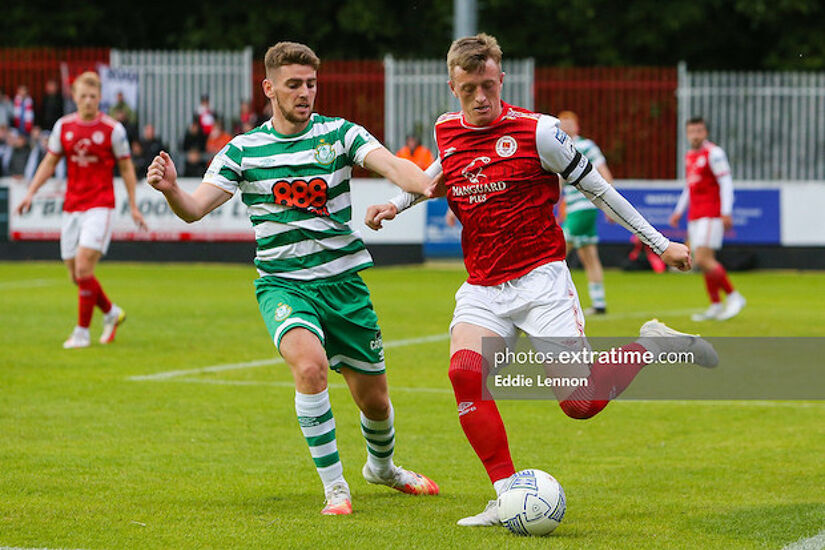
378 213
137 217
677 255
727 222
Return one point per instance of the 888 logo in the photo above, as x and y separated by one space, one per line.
309 195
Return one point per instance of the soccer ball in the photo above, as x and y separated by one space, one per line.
532 504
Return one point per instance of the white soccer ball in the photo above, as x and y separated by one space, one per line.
532 504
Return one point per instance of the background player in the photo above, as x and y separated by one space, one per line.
293 172
709 192
500 166
92 143
579 215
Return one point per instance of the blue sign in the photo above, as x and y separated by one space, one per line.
755 216
441 241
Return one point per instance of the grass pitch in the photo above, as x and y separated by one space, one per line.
92 458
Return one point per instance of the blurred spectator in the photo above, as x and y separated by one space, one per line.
52 108
6 110
414 151
206 116
139 159
267 111
248 119
195 164
5 150
23 110
123 117
39 145
194 137
217 139
151 143
20 150
123 106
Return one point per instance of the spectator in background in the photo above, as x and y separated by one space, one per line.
23 110
194 137
206 116
39 146
217 139
123 106
195 164
6 110
248 119
151 144
139 159
20 150
52 107
122 116
417 153
5 150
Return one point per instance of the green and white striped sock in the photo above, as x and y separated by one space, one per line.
380 436
318 426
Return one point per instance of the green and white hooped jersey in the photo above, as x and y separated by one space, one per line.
296 189
573 198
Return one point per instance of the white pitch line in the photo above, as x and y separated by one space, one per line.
285 384
21 548
274 361
639 314
30 283
816 542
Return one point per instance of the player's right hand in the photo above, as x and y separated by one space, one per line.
378 213
25 205
674 219
677 255
450 218
162 174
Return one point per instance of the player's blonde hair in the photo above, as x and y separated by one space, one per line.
290 53
472 52
89 78
568 115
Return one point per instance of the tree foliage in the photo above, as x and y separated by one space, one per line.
708 34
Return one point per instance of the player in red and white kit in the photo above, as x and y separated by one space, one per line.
92 143
501 166
709 190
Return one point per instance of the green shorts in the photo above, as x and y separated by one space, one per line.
337 310
580 227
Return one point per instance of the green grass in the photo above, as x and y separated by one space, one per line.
90 459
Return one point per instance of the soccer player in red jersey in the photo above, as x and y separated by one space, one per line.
709 191
92 143
501 166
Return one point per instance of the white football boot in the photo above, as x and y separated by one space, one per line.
487 518
712 313
111 321
402 480
78 339
338 500
733 305
665 339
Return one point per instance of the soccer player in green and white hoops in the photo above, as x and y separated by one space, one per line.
293 172
580 216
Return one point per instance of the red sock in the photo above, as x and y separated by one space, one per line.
712 286
102 300
606 382
87 296
480 419
721 277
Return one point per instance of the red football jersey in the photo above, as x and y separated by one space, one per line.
704 167
91 149
502 195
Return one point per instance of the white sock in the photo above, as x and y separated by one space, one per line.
597 296
501 485
380 437
82 330
318 426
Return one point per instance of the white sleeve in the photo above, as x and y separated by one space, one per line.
358 142
682 203
225 168
558 155
55 145
406 200
120 142
721 169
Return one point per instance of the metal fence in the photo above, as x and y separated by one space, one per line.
416 93
771 124
172 82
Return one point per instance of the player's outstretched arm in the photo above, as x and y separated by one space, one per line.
163 176
127 172
403 173
42 174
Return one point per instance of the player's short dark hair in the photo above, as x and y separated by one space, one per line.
696 120
290 53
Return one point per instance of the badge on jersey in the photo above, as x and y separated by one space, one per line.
324 153
506 146
282 312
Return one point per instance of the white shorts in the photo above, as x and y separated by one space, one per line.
90 229
542 303
707 232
